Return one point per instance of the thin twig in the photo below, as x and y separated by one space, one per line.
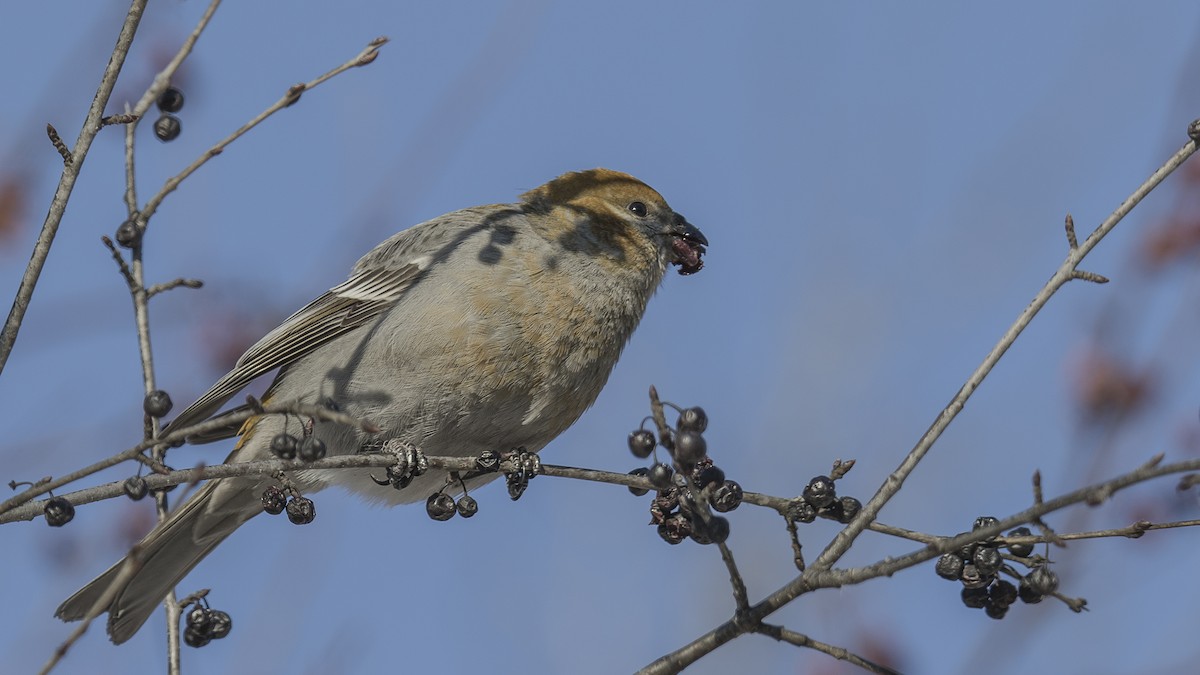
820 573
845 538
178 436
800 640
66 183
173 284
367 55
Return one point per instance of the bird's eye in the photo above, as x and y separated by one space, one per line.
638 209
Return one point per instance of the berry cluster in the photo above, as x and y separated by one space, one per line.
441 506
978 565
820 499
205 625
167 126
300 510
309 449
677 507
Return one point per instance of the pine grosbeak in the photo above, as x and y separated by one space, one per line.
487 329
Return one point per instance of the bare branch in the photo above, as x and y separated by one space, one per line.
66 183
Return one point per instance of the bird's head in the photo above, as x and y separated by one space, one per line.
613 213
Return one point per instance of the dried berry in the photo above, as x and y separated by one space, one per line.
284 446
58 511
128 234
167 128
157 403
705 474
1043 580
641 443
467 506
660 476
273 501
949 566
221 624
643 472
171 100
727 497
1021 550
135 487
440 506
301 510
690 447
693 419
820 492
311 449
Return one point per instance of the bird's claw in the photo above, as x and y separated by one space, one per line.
410 463
525 465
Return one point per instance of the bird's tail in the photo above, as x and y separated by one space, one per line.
167 554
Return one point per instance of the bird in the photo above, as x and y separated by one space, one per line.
487 329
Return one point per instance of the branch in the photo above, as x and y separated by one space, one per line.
845 539
366 56
66 183
178 436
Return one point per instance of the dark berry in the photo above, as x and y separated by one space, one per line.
1042 580
284 446
467 506
988 560
135 487
157 403
675 529
967 552
690 447
975 598
985 521
660 476
995 611
199 618
820 492
727 496
195 638
128 234
972 577
705 474
641 443
167 128
949 566
640 471
717 529
850 508
311 449
667 500
693 419
1002 593
1021 550
221 624
273 501
171 100
301 511
440 506
1028 594
58 511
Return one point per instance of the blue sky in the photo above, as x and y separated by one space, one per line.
883 187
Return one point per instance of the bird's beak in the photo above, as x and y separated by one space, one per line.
687 243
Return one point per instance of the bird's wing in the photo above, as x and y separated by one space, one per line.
379 280
361 298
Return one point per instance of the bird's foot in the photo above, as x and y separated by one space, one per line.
410 463
525 465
